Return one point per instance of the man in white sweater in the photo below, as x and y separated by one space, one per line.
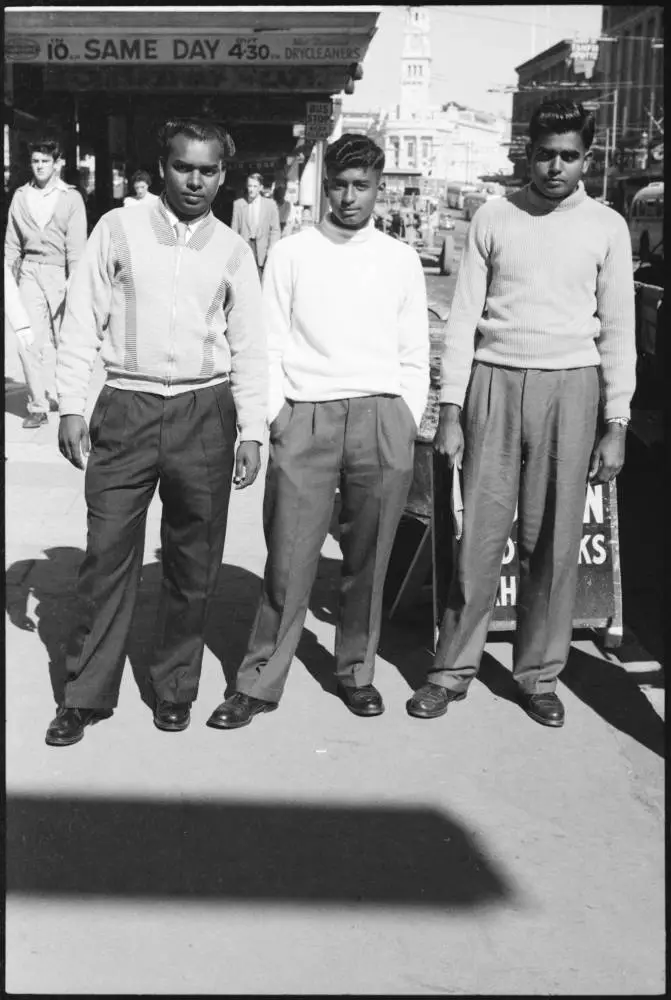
348 341
546 285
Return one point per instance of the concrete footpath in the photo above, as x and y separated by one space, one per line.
315 852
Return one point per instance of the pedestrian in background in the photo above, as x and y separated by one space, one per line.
256 219
142 197
347 321
546 282
44 239
173 298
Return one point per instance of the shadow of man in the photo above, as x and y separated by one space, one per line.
229 622
51 583
16 397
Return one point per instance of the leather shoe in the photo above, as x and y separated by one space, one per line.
238 711
431 701
35 420
68 726
545 708
172 717
365 701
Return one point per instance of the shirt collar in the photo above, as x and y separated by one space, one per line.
173 220
58 185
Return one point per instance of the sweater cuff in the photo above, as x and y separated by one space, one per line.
253 432
616 408
71 406
452 394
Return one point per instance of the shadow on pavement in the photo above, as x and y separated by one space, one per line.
16 397
405 642
237 850
50 584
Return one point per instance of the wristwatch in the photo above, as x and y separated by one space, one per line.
622 421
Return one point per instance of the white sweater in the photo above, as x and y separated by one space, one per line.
346 315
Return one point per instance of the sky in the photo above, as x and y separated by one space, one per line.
473 48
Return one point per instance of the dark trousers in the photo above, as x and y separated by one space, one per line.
365 446
185 445
529 435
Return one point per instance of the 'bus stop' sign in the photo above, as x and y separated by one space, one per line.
318 122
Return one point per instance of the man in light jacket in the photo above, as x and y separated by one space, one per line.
45 237
257 220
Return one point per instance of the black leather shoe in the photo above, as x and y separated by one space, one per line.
172 717
34 420
431 701
545 708
238 710
69 725
365 701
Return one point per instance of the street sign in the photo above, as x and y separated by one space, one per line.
318 120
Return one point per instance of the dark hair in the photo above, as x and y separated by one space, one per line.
141 175
50 147
559 117
352 150
202 129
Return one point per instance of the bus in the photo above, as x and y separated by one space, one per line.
455 191
646 223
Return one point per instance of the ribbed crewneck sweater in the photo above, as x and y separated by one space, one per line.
544 285
346 315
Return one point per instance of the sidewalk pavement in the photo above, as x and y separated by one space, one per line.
315 852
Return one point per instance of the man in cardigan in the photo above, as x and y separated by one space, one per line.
174 298
546 281
257 220
347 321
45 237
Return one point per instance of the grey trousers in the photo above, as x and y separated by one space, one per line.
42 288
185 445
365 446
528 435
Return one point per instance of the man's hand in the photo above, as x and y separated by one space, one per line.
73 440
449 438
247 464
608 454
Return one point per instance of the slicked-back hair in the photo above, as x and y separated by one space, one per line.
352 150
559 117
201 129
47 146
255 177
141 175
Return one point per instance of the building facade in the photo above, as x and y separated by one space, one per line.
427 145
624 88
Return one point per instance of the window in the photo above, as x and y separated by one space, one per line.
426 149
410 151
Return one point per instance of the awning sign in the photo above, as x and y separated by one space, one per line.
318 120
106 49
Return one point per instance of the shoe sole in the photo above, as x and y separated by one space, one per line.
434 715
166 728
63 743
552 723
239 725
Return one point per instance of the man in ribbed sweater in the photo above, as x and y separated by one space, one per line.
546 286
348 339
45 237
172 298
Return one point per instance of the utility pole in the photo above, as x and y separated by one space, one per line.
606 166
